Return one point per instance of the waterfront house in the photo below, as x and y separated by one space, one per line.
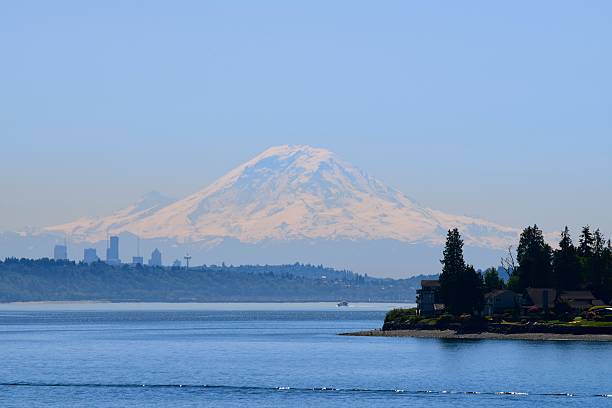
428 298
579 300
500 301
541 298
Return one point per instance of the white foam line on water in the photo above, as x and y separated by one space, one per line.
301 389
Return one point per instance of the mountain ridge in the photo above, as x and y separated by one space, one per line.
290 193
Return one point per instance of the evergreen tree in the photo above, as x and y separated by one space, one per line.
597 267
492 281
453 267
566 265
599 243
534 258
607 273
585 245
475 290
461 287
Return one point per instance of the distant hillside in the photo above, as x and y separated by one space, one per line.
47 280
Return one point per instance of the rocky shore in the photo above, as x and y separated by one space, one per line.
452 334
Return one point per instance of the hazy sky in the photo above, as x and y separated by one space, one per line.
501 110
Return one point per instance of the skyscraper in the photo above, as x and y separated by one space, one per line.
112 252
60 253
156 258
90 255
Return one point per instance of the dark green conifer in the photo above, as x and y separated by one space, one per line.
585 245
566 265
461 287
534 257
597 264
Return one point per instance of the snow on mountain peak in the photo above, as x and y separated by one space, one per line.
285 151
287 193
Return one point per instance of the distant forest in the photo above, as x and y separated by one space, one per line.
49 280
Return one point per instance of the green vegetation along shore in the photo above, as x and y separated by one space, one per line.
406 323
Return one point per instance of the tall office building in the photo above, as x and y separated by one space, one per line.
156 259
60 253
90 255
112 252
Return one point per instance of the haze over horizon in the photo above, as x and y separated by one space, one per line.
288 204
336 204
514 128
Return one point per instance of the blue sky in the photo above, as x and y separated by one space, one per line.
501 110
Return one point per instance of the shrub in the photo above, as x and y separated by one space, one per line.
446 318
562 308
400 315
600 313
534 310
600 308
465 317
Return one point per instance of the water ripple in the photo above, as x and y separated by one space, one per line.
238 388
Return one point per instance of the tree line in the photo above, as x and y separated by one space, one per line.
47 279
586 266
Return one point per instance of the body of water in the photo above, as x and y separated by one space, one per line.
261 355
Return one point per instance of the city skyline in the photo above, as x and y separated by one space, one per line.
61 252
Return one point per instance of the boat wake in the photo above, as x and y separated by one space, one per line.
239 388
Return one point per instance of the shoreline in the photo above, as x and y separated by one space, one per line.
453 335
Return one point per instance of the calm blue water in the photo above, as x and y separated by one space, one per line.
207 356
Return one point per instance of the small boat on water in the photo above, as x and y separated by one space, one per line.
344 303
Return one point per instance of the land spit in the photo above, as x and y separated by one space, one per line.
451 334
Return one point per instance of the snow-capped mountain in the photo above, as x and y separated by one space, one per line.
290 193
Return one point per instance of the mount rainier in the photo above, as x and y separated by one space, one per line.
297 203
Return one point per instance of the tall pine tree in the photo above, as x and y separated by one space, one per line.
534 257
461 287
585 245
586 250
566 266
607 293
597 267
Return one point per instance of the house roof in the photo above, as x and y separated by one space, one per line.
499 292
536 295
580 304
430 283
577 295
